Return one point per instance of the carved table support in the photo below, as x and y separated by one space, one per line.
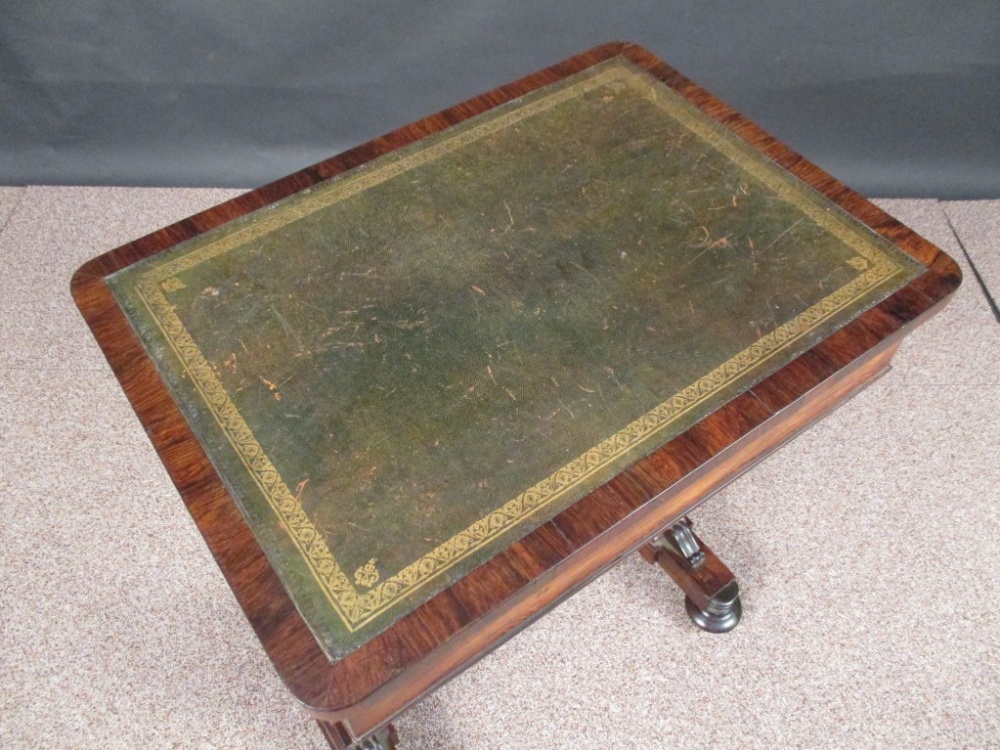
712 596
339 738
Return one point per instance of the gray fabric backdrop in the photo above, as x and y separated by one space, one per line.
895 98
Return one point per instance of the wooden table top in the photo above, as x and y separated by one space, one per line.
406 392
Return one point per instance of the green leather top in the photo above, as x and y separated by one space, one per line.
403 370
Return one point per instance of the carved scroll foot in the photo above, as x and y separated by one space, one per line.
712 596
340 739
384 739
722 613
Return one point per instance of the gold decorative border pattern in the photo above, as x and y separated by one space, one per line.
355 608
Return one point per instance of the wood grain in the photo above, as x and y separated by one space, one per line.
461 624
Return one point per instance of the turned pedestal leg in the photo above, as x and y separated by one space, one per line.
712 596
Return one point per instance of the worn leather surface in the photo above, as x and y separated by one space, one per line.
403 370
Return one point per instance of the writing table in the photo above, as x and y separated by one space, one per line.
417 394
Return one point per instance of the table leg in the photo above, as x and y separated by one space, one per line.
340 739
712 596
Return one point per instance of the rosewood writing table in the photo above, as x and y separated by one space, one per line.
417 394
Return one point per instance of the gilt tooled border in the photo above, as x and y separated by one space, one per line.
357 609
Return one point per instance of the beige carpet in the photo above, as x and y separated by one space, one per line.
867 551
